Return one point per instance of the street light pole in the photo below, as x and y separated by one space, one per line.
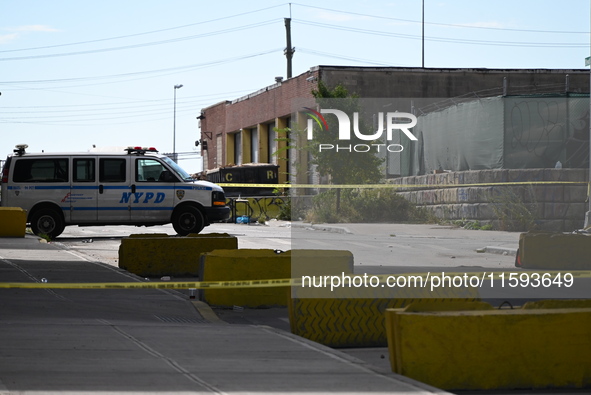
179 86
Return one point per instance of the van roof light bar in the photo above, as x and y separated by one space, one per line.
140 150
19 149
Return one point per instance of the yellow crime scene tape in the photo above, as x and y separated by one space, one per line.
395 186
285 282
157 285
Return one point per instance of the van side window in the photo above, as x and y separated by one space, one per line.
149 170
112 170
84 170
41 170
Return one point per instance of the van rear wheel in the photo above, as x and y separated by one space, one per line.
187 220
47 222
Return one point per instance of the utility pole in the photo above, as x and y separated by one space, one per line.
423 37
289 50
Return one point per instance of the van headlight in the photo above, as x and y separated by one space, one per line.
218 198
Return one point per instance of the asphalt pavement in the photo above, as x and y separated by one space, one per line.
151 340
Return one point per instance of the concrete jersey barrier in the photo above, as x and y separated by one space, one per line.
475 347
13 222
264 264
161 255
554 251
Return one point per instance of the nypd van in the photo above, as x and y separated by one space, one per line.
134 187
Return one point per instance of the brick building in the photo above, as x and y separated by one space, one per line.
243 130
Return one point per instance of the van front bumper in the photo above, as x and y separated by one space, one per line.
217 214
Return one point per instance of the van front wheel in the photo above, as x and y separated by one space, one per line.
47 222
187 220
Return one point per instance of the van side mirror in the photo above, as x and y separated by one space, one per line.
167 176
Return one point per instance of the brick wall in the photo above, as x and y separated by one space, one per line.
279 100
213 125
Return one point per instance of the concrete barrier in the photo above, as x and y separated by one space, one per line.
481 348
555 207
13 222
162 255
555 251
559 304
244 265
264 264
354 317
320 262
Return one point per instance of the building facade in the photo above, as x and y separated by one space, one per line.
252 129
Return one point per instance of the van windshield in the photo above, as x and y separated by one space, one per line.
177 169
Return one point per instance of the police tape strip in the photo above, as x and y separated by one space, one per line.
398 186
158 285
283 282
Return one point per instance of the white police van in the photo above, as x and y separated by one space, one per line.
134 187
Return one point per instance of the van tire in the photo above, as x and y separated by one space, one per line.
48 222
187 219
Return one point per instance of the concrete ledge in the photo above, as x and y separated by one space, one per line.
555 251
264 264
480 348
556 207
161 255
13 222
207 313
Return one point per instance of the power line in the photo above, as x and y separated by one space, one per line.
442 24
138 75
142 109
442 39
143 33
56 115
141 103
343 57
152 43
63 114
68 119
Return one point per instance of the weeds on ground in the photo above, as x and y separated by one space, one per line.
510 207
473 225
363 205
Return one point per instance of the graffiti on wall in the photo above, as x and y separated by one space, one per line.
257 208
541 132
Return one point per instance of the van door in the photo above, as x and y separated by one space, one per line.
84 191
114 192
153 188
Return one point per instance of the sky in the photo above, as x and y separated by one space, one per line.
77 74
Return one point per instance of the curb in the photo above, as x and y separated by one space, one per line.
354 361
207 313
